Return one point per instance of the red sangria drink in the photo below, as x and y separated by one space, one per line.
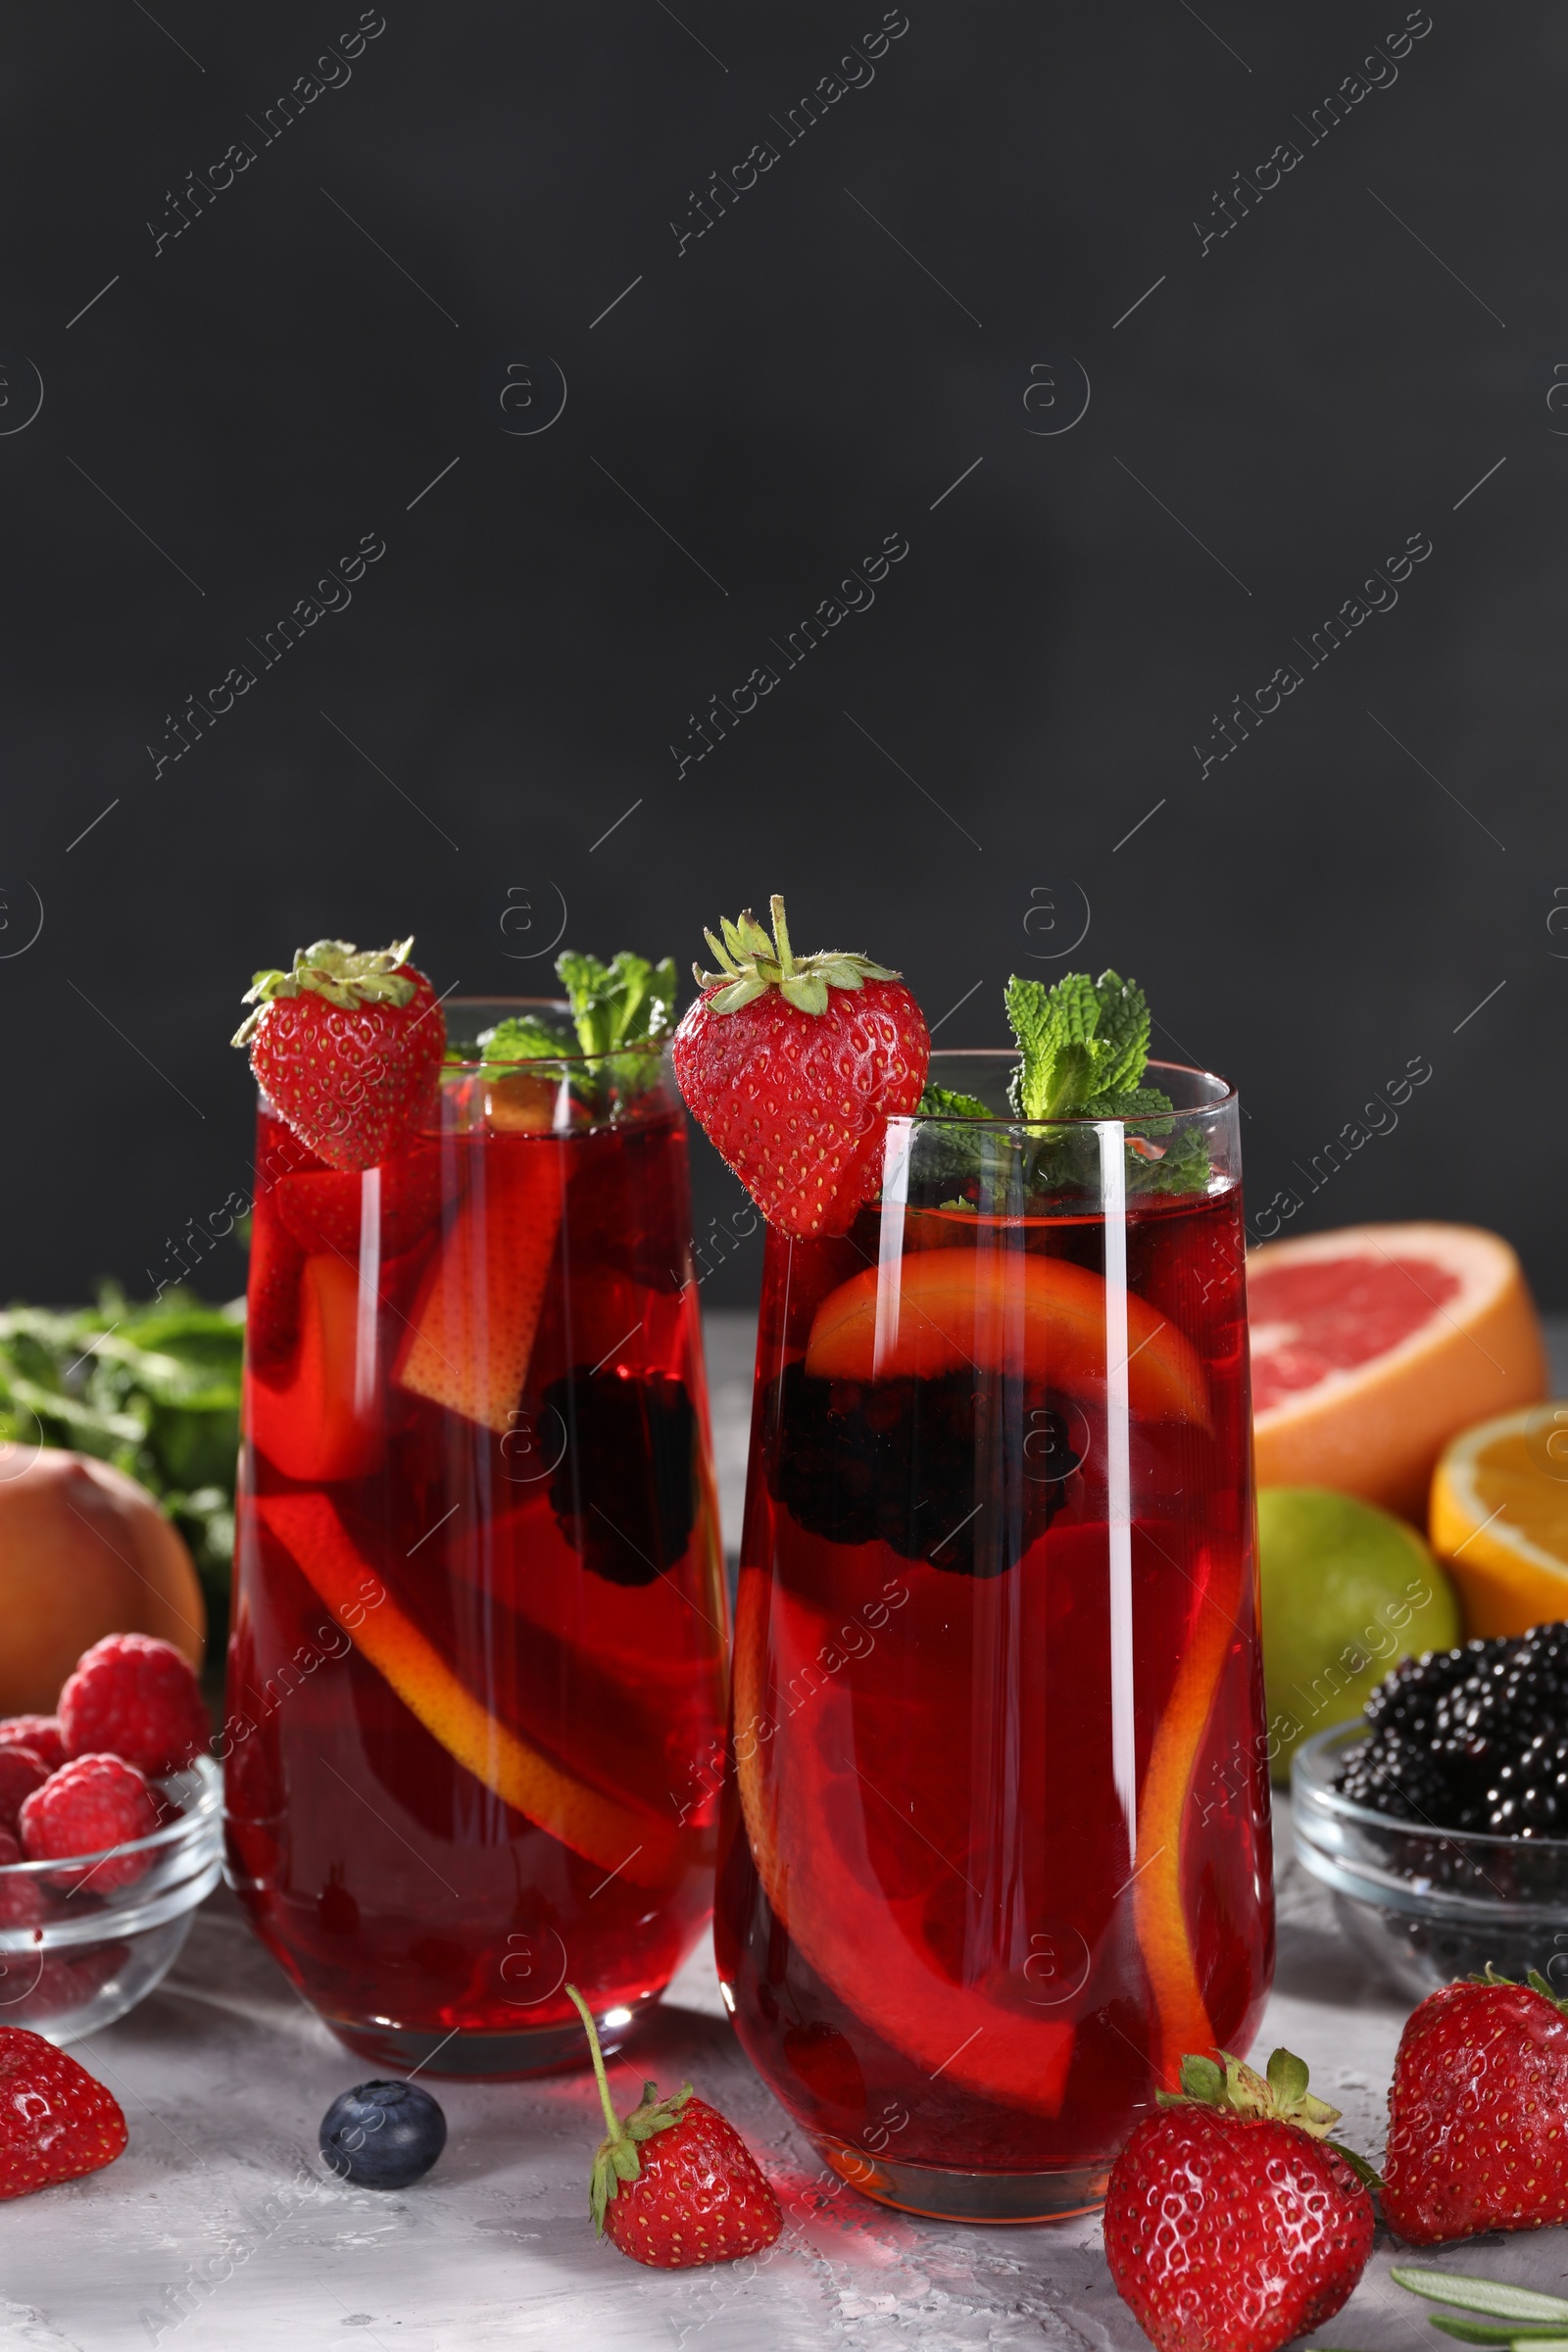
479 1618
996 1851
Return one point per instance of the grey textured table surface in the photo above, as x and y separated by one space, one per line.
216 2228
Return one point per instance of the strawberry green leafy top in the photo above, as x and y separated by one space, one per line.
751 963
333 968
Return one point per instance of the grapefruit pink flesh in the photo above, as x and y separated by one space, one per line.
1039 1318
1372 1346
635 1844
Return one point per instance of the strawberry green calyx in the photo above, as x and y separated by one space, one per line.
1279 2097
615 2159
333 968
1533 1978
751 963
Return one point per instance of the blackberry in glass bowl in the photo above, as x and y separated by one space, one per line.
1440 1821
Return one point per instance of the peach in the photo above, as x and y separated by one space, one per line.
84 1551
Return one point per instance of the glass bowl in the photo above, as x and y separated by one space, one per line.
1429 1905
77 1953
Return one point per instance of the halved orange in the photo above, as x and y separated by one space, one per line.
1500 1519
1037 1318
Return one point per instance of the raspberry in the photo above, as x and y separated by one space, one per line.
21 1773
40 1733
135 1696
91 1803
21 1906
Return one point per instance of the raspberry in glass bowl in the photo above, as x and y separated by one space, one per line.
84 1937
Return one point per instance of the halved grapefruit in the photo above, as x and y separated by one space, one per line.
1375 1345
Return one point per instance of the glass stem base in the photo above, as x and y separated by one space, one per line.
508 2055
943 2195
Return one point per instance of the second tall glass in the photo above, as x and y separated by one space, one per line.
478 1650
997 1846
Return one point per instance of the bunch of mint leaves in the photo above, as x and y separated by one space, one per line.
613 1008
153 1388
1084 1044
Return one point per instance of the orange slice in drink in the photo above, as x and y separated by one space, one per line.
804 1823
1037 1318
473 1323
618 1837
1164 1806
310 1427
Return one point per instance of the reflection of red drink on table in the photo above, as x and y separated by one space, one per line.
479 1630
997 1852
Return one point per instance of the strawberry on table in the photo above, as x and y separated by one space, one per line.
1478 2113
1231 2222
674 2185
56 2120
347 1047
792 1064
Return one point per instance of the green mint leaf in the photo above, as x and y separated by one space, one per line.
521 1037
1120 1043
1055 1028
623 1002
945 1102
1085 1046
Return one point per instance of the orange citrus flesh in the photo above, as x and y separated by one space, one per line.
1158 1912
1043 1318
847 1930
1500 1519
474 1321
308 1428
635 1844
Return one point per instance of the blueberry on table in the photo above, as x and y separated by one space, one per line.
382 2134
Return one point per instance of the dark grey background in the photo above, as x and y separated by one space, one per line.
924 284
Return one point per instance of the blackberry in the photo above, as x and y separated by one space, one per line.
622 1492
901 1463
1471 1739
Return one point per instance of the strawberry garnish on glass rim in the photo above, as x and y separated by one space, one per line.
347 1047
792 1065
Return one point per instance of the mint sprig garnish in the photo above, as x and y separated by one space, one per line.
947 1102
1084 1042
623 1002
617 1011
1084 1046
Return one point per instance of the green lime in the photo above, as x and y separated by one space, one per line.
1347 1591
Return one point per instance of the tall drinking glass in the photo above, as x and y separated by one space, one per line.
996 1845
479 1613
